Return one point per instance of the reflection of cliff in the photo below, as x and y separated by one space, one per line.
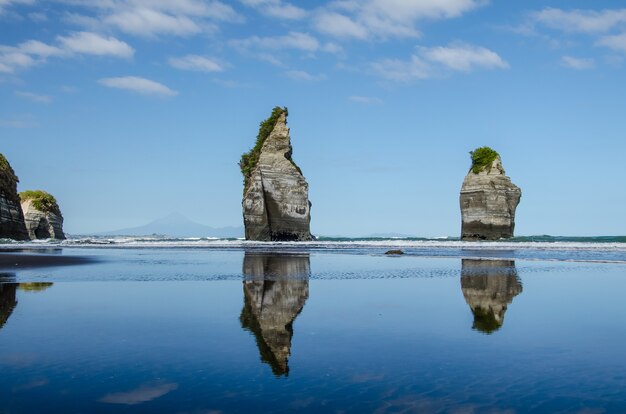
488 287
7 301
275 290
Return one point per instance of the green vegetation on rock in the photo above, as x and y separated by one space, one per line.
42 201
8 180
249 159
482 158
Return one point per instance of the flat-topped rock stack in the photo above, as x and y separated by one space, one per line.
488 199
42 215
275 202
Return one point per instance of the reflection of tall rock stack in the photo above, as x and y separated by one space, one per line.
275 290
488 287
7 301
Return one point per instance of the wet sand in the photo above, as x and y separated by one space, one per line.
16 259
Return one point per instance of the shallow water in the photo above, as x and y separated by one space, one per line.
209 331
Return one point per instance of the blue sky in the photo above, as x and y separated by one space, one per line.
129 110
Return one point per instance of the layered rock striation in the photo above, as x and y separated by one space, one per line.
489 286
11 216
275 289
42 215
488 199
275 202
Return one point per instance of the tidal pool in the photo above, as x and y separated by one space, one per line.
196 331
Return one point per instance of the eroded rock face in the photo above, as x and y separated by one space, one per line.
489 286
488 202
275 289
42 225
11 216
276 203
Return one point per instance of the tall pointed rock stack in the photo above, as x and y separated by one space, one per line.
11 216
488 199
275 202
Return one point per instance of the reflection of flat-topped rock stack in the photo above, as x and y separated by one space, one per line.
42 215
275 290
488 287
275 202
11 216
488 201
7 301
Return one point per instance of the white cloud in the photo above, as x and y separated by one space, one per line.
277 8
301 75
617 42
271 59
436 61
582 21
403 71
139 85
151 18
13 59
37 48
362 19
38 17
368 100
34 97
34 52
464 57
196 63
94 44
577 63
149 22
5 4
293 40
338 25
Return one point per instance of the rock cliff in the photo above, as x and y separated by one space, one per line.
275 289
11 216
488 287
488 199
42 215
275 202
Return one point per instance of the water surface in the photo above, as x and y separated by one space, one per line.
197 331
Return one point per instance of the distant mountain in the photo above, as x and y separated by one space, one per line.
177 225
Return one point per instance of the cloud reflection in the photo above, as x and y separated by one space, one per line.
142 394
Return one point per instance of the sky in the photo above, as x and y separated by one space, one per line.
127 111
